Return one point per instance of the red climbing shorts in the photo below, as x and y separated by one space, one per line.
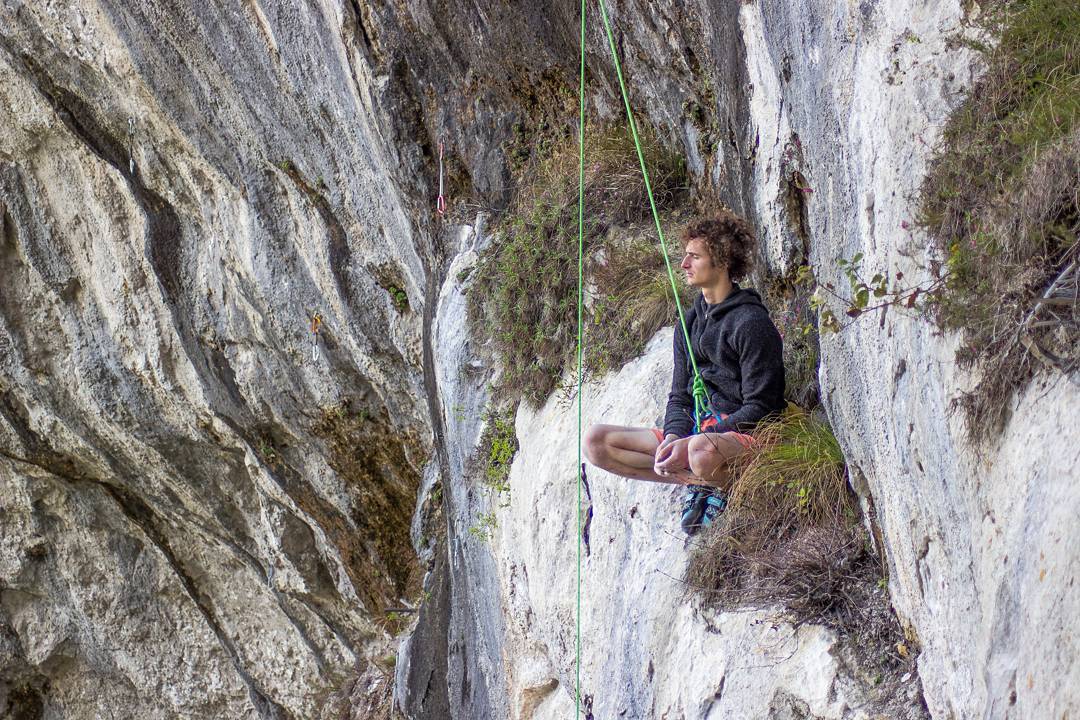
711 422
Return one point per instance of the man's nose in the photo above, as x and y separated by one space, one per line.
685 262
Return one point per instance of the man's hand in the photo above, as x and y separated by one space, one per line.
668 439
672 458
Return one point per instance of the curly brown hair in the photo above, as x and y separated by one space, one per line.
730 240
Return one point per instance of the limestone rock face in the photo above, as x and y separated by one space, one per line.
207 509
648 649
979 541
833 119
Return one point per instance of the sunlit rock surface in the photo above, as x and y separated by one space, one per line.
648 649
842 107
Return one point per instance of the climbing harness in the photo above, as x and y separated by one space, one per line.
131 146
698 390
316 322
440 204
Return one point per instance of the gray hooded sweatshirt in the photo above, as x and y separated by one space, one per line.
740 356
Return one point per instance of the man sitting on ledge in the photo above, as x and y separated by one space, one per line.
739 355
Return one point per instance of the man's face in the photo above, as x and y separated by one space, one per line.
698 265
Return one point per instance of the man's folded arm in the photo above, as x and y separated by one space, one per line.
761 361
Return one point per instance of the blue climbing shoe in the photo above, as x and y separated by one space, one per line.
715 503
693 507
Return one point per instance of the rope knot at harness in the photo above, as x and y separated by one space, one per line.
701 402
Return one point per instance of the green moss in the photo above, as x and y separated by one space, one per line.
269 453
546 101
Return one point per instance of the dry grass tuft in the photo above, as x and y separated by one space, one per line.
630 301
1002 200
790 541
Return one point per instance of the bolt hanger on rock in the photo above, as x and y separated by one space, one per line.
316 322
131 145
440 204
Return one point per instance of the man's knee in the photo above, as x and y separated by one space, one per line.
701 446
702 454
595 444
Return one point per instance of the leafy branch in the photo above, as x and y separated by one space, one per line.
862 296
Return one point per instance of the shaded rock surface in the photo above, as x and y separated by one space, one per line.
205 505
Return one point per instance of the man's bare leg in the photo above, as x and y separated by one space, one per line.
711 455
629 452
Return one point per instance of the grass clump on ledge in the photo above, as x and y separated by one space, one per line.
497 447
1002 200
791 541
790 531
501 445
523 293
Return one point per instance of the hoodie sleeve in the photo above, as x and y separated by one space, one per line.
679 418
761 362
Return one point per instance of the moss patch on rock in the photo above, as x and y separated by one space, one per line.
370 456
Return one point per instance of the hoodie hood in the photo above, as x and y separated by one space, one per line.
739 296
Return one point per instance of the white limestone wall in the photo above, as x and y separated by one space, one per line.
648 649
981 541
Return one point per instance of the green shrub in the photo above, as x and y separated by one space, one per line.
496 450
524 289
400 298
501 444
1000 199
795 469
484 527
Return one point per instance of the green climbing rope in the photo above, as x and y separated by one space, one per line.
699 392
580 328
